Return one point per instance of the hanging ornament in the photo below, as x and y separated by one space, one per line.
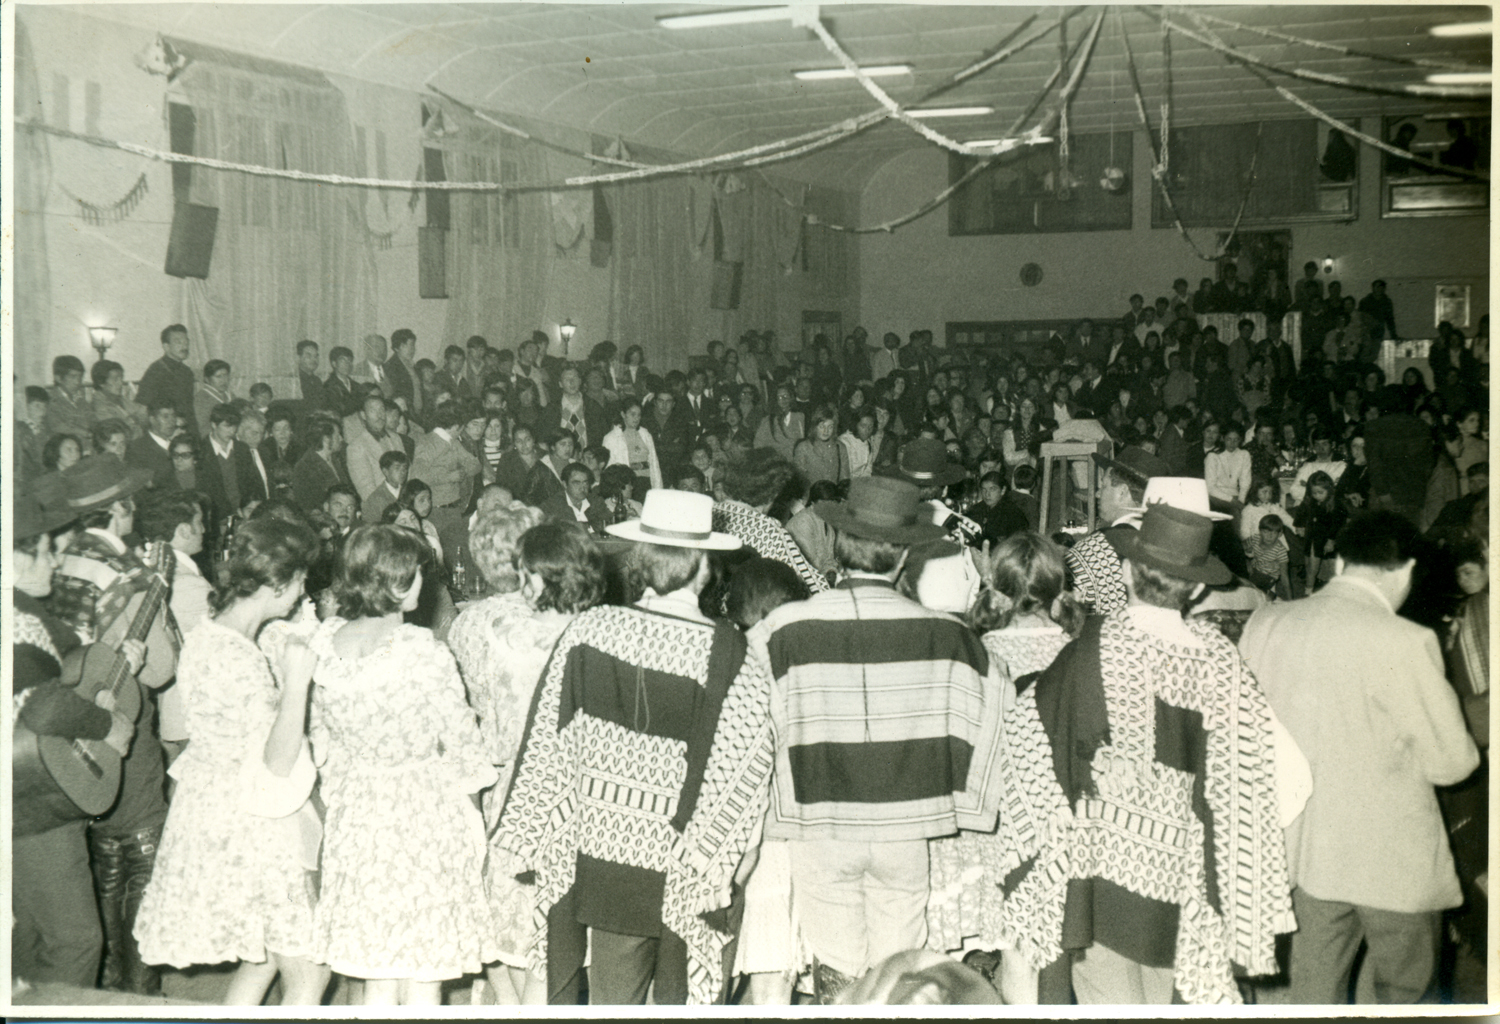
1115 178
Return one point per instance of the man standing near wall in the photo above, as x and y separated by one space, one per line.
311 387
169 380
400 372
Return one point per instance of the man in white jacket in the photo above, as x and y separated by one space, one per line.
1362 691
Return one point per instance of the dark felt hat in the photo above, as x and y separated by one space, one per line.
924 461
31 518
1176 542
99 481
880 508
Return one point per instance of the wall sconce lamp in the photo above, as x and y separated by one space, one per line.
102 338
565 331
1327 264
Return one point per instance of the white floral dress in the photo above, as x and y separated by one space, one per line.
502 645
963 910
233 874
399 749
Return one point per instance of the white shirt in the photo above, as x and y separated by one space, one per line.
1227 475
222 451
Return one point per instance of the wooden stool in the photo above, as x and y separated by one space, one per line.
1071 504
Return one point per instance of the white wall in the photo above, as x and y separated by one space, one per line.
921 277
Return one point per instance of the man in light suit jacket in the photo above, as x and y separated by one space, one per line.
1362 691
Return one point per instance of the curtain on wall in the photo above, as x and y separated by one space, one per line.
33 284
500 248
291 260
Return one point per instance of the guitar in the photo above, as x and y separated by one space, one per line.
59 780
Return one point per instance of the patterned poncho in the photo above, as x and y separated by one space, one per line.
1140 809
644 771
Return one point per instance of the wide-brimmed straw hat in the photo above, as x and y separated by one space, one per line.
99 481
925 462
1175 542
880 508
1189 493
678 519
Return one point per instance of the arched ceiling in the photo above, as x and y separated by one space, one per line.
610 69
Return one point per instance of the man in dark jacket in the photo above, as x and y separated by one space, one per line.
1398 447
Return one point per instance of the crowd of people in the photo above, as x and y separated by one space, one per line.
744 682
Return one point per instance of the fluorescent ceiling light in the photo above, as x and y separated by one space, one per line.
1042 140
1462 78
950 111
715 19
984 142
1463 28
873 71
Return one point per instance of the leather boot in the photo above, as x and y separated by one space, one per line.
122 868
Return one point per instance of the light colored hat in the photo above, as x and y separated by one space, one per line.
1188 493
679 519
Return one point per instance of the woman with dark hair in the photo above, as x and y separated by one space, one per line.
783 427
634 377
1318 520
1353 485
520 469
417 496
819 456
854 363
402 901
61 451
1022 438
630 444
502 644
827 379
233 877
856 401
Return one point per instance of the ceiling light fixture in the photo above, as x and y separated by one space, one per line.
1040 140
1463 28
718 19
1462 78
949 111
873 71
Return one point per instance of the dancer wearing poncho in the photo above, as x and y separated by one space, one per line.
644 771
1140 823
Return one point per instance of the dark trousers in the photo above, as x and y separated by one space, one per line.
56 936
122 869
621 967
1403 951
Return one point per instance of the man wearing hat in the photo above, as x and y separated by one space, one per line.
95 591
924 463
642 776
1141 822
887 721
1137 478
55 935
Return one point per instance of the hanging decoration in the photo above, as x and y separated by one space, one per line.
1159 169
1347 51
115 212
1350 130
1422 90
161 58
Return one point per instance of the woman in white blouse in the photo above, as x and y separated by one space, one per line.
630 444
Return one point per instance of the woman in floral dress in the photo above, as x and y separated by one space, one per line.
402 902
502 645
233 875
1027 618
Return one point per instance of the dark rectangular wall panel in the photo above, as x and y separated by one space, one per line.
191 245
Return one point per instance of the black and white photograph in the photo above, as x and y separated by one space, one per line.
518 507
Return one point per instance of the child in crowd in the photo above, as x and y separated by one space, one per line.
1267 554
1265 500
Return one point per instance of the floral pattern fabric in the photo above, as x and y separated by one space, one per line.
232 879
502 645
965 909
400 750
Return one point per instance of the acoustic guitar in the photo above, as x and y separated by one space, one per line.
59 780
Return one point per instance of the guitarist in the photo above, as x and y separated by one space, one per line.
95 587
56 937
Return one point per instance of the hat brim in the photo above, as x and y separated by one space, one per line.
1210 570
715 541
951 473
838 515
1105 462
1218 517
135 480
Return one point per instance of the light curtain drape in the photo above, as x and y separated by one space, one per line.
500 249
291 260
33 285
